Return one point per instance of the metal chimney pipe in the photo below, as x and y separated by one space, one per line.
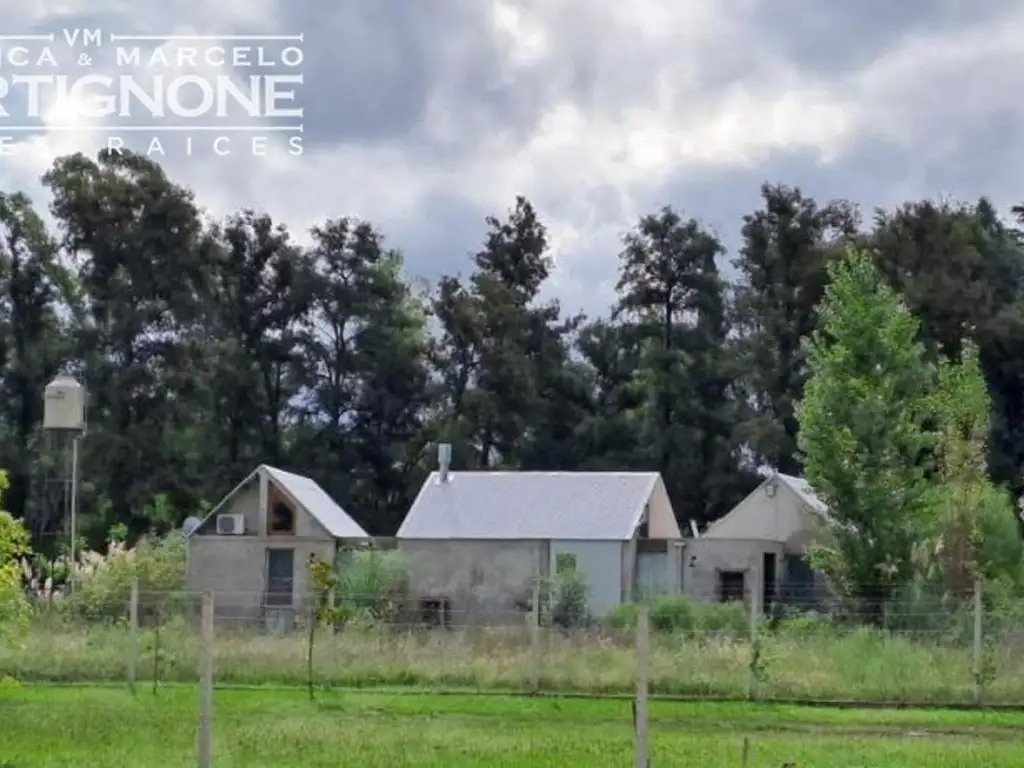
444 461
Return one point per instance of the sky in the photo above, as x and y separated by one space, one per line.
427 116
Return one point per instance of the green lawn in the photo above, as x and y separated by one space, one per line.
106 727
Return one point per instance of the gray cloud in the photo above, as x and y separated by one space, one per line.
426 117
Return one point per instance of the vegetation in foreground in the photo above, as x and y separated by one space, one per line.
793 662
45 728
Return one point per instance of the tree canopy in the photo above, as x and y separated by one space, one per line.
208 347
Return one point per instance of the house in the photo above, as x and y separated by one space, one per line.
474 542
253 550
758 550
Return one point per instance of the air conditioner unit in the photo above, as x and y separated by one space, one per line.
231 525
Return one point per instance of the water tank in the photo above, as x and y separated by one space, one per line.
64 405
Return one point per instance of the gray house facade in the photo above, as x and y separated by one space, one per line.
253 550
474 542
758 551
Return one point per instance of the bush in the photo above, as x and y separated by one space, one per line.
371 584
568 605
103 583
674 613
14 544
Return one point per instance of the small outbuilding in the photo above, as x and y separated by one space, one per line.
254 548
474 541
758 550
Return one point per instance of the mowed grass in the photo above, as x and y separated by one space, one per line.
858 664
48 727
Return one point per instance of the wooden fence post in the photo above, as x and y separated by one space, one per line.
753 689
133 639
535 652
204 734
642 669
979 643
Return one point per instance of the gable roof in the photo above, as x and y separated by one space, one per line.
530 505
799 487
803 489
306 493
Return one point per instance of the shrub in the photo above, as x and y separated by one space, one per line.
568 606
371 584
675 613
14 544
103 583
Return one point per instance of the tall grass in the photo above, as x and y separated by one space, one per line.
798 659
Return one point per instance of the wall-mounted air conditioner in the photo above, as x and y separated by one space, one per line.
231 525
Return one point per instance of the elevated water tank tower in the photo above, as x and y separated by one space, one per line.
64 414
64 405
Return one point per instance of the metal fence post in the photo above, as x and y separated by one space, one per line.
642 670
979 647
204 735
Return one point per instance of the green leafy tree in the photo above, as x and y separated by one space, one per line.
862 432
973 525
14 545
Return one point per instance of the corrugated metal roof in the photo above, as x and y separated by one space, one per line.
317 503
803 489
308 494
530 505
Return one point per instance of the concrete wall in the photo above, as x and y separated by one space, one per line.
704 559
488 582
482 580
600 563
235 567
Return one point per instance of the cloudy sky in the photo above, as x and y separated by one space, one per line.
427 115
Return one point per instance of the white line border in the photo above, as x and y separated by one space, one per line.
114 129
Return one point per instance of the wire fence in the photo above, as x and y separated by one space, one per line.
925 649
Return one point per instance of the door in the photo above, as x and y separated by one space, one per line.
280 576
769 590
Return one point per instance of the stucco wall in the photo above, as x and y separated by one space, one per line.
772 516
482 580
704 558
661 520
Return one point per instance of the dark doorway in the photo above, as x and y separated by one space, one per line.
770 591
280 577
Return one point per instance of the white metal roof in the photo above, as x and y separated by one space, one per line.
530 505
308 494
803 489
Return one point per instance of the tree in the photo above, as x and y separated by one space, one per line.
961 271
498 344
863 432
787 245
972 525
134 236
671 292
34 288
14 545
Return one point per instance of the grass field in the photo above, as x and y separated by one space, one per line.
849 665
44 727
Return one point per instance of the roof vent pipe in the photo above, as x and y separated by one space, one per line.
444 461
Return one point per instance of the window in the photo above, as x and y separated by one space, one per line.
565 562
731 586
435 612
282 519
